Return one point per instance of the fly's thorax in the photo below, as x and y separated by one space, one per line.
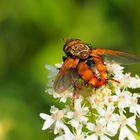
75 48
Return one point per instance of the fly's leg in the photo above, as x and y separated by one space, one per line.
73 101
76 94
114 80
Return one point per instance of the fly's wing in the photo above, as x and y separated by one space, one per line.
66 76
64 81
117 56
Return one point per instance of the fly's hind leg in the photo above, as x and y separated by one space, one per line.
73 101
74 96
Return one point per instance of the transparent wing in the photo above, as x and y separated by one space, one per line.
66 76
64 81
117 56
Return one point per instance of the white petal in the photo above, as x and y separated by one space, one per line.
74 123
63 99
45 116
79 129
49 91
84 119
85 110
118 91
58 65
115 117
53 109
112 128
90 126
48 120
92 137
122 105
57 127
133 109
114 98
110 109
64 137
101 111
60 125
136 95
101 121
47 124
104 137
60 138
56 95
132 123
69 115
78 103
138 109
125 133
66 130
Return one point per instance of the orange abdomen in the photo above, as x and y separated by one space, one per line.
84 71
88 76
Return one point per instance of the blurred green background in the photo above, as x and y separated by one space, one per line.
31 35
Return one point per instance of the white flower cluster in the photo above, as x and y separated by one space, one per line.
104 113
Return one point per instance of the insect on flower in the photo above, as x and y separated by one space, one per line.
87 63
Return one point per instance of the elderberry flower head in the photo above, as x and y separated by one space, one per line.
98 112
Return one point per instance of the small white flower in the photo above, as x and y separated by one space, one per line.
67 133
108 118
134 82
106 91
55 118
96 100
124 79
77 135
99 132
133 103
124 131
79 115
122 98
114 68
110 100
107 114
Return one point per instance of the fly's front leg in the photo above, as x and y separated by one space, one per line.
73 101
76 94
